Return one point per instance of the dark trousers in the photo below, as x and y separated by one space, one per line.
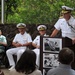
67 42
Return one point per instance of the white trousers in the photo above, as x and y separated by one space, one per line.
37 51
14 51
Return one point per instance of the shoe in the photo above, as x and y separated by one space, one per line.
11 68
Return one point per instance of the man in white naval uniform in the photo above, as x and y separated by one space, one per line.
21 41
36 42
66 25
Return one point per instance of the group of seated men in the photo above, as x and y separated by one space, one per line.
21 41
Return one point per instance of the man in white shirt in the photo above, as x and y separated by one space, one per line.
21 41
36 42
66 25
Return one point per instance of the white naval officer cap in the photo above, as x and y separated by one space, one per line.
66 9
41 27
21 25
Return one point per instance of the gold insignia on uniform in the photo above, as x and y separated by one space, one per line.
65 11
21 26
42 28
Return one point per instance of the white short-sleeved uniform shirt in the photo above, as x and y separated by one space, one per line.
22 39
67 31
37 40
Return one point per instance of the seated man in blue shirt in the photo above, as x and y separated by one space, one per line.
66 57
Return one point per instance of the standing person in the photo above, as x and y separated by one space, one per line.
36 41
21 41
26 65
3 42
65 57
67 26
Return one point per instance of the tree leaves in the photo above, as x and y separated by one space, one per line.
35 11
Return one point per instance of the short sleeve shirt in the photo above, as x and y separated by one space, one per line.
37 40
67 31
3 39
25 38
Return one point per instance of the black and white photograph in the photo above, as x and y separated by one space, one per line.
50 60
52 44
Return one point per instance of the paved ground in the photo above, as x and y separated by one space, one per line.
6 71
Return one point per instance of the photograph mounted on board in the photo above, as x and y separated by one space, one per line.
50 60
52 44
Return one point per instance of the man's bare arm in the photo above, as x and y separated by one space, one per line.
54 33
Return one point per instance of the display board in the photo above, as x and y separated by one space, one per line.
49 49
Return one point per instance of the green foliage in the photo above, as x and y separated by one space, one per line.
35 11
